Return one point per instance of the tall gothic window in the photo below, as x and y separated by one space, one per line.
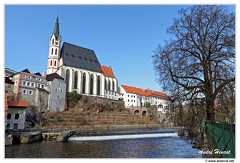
51 63
91 84
105 84
67 79
75 80
51 50
55 51
52 41
113 86
109 85
98 85
83 82
55 63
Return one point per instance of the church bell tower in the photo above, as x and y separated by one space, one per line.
54 49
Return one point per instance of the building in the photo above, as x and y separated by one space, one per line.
137 97
16 114
9 72
26 85
57 89
111 83
80 68
41 99
8 85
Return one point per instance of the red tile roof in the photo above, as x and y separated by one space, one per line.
107 71
18 103
146 92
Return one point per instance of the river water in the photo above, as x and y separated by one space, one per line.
128 144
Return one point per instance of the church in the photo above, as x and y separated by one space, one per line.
80 68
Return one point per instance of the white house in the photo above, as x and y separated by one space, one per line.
16 114
137 97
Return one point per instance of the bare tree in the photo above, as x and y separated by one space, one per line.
200 58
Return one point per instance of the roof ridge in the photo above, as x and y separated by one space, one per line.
78 46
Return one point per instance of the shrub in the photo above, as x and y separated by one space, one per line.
72 98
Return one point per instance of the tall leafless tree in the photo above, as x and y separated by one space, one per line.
200 57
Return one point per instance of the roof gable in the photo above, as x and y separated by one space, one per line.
50 77
26 70
79 57
107 71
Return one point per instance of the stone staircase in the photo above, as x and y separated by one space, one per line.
77 118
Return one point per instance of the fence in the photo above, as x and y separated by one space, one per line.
224 137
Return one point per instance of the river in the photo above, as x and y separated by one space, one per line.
128 144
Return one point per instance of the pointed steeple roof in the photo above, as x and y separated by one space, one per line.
56 29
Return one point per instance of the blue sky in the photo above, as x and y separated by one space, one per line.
122 36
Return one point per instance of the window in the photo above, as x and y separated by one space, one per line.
9 116
42 86
16 116
30 92
24 76
23 82
55 63
52 41
24 91
38 85
55 51
32 84
15 126
28 83
59 84
52 51
29 77
50 64
8 126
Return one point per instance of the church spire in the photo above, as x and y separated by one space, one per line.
56 29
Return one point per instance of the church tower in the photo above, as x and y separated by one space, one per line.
54 49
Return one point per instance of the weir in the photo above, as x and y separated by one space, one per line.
115 137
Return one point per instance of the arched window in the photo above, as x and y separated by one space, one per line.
55 63
75 80
55 51
67 79
113 86
109 85
51 63
106 84
52 41
51 50
91 84
98 85
83 82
